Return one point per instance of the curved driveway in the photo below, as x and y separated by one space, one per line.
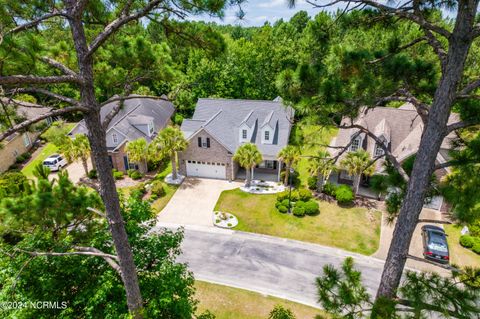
269 265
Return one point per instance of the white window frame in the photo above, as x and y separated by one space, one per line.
150 129
115 138
378 150
244 134
355 144
267 135
26 140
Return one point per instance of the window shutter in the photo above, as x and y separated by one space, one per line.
199 142
208 142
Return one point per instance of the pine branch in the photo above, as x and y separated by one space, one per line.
460 125
35 22
47 93
406 46
32 79
60 66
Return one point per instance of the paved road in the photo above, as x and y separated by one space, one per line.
269 265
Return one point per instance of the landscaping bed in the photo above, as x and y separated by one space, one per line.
233 303
460 255
350 228
263 187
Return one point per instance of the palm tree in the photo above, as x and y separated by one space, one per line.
169 142
137 151
322 166
290 156
356 164
77 148
248 156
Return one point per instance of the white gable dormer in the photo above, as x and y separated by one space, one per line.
267 134
244 133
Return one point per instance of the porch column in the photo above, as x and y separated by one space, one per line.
253 169
232 164
279 164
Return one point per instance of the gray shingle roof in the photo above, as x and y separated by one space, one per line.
223 117
135 112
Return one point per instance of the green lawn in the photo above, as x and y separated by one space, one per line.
354 229
311 139
47 150
459 255
232 303
160 203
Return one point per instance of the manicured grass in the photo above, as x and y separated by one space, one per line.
459 255
160 203
354 229
313 139
232 303
47 150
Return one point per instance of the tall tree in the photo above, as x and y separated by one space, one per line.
357 164
77 148
398 73
169 142
28 68
321 165
290 156
137 151
248 156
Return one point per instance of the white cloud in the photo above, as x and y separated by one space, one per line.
273 4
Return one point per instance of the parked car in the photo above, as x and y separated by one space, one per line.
55 162
435 245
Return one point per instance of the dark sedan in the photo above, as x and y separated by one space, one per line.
435 245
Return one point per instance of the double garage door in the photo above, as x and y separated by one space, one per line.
206 169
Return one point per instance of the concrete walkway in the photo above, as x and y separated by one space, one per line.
269 265
194 201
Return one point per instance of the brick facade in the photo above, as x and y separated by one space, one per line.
215 153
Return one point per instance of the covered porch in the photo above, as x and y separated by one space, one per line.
268 170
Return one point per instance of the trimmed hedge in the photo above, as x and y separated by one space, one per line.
312 182
282 209
304 195
134 174
298 211
467 241
476 247
117 174
330 189
311 207
344 194
157 188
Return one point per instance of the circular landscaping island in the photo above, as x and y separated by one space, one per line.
224 220
263 187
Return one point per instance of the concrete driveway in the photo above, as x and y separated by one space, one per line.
416 245
75 171
194 201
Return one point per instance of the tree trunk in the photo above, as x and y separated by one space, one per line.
174 166
356 183
248 177
435 130
97 138
85 164
320 182
287 174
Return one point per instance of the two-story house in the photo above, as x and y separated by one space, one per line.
219 126
140 117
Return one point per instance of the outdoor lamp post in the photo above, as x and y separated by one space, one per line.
290 192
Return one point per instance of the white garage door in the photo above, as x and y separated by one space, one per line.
206 169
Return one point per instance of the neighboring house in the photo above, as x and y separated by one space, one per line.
21 142
139 117
220 126
400 129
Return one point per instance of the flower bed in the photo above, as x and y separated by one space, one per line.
263 187
171 181
224 220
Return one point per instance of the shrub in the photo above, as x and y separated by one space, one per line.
286 194
467 241
298 211
312 182
476 247
135 175
282 196
304 195
344 194
292 177
23 157
229 224
12 183
329 189
282 209
281 313
311 207
140 187
178 119
474 229
285 202
92 174
157 188
117 174
154 197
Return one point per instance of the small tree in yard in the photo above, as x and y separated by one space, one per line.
321 166
356 164
169 142
279 312
248 156
77 148
137 151
290 156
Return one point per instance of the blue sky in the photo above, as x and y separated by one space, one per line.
260 11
